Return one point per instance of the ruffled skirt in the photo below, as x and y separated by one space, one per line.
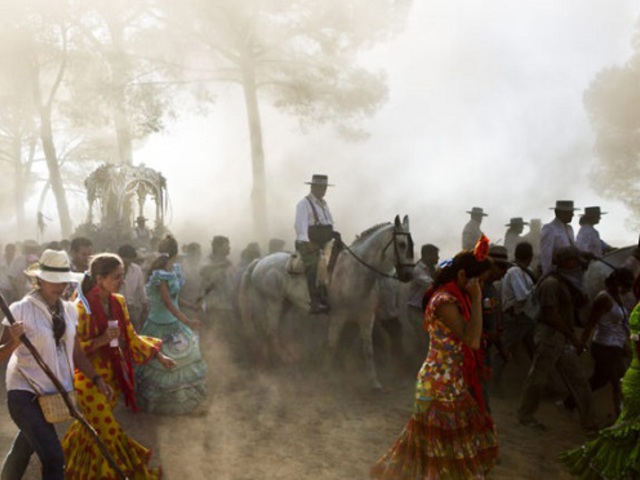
615 453
178 390
450 440
83 457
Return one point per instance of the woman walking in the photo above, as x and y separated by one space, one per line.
112 349
181 389
450 434
50 324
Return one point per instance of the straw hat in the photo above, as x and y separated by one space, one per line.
54 267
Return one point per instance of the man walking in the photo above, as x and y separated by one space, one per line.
557 345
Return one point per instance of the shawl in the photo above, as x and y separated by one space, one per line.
120 358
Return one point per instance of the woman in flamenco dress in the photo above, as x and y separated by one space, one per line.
615 452
100 304
450 434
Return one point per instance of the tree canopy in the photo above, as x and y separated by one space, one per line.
609 100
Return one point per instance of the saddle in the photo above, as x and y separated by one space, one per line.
294 265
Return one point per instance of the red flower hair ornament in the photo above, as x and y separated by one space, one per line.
481 250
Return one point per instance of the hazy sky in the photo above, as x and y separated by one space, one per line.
485 109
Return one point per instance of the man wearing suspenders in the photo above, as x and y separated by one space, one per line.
314 229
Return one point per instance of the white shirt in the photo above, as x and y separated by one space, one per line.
305 216
554 235
38 327
516 286
588 240
133 287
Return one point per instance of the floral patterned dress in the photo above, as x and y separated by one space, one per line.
83 458
448 436
615 453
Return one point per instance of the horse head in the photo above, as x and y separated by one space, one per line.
403 249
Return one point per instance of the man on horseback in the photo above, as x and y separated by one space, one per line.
314 229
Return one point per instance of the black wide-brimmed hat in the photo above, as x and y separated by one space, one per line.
317 179
564 205
592 212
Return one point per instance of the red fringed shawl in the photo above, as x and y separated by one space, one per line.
120 358
473 360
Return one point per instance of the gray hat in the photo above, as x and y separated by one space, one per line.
317 179
499 255
477 211
516 222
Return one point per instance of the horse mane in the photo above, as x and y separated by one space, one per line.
368 232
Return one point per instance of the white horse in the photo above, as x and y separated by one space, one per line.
385 249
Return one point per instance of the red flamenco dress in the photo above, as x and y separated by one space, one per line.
83 458
449 435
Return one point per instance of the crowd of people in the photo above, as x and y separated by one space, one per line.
528 296
138 329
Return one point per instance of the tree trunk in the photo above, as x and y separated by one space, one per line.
57 186
259 191
51 157
118 79
19 186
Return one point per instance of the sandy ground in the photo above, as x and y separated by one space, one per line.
307 421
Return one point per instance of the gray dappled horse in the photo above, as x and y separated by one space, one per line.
380 250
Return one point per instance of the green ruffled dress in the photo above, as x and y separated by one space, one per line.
181 389
615 453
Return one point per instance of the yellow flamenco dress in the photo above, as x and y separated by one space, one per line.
83 458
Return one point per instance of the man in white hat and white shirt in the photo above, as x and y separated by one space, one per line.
588 239
513 236
471 231
556 234
314 229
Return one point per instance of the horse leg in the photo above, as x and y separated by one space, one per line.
336 326
365 322
276 350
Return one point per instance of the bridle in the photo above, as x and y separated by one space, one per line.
396 252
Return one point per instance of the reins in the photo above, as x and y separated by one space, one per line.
398 263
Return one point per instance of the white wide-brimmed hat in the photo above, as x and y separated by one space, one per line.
54 267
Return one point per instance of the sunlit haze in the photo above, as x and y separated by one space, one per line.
485 109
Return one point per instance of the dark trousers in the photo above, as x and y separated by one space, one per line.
552 353
35 435
310 254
